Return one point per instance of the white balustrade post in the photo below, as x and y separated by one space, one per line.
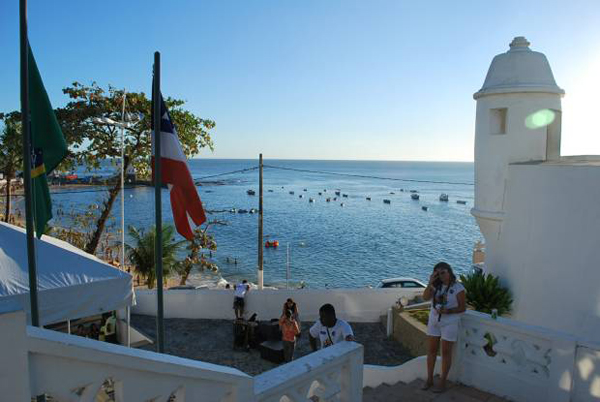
352 378
561 367
14 376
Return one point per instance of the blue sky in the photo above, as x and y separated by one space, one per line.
315 79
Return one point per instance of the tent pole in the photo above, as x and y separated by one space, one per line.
128 326
69 327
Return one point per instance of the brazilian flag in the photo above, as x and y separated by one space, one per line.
47 143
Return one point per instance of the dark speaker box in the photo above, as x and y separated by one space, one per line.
271 351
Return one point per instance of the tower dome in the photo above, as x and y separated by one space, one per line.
520 69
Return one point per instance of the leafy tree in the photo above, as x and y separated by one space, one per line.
485 293
93 142
201 241
11 154
141 254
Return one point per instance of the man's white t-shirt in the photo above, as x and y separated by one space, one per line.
447 298
331 335
240 290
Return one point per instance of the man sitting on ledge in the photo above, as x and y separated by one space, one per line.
329 329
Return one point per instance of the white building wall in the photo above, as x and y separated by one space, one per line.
548 251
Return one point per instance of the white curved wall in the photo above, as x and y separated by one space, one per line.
357 305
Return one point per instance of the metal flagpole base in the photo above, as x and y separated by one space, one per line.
260 279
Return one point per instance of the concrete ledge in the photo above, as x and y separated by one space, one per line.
411 333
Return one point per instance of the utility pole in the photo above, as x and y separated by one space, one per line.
260 222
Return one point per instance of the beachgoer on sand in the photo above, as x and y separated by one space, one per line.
447 305
329 329
289 330
239 296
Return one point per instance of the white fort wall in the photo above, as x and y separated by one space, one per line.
548 251
357 305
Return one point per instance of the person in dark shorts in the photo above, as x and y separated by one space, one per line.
239 298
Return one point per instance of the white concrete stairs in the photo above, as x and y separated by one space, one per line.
402 392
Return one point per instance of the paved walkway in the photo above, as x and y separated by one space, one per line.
412 392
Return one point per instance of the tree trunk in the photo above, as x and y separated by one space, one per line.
185 275
7 211
101 223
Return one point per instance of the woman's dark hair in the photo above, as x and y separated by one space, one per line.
447 267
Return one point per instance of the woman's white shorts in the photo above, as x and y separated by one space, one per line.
447 330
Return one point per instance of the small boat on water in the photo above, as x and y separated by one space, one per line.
368 198
414 196
461 202
328 200
444 197
424 208
273 243
402 190
251 192
252 210
387 201
233 210
270 191
301 196
292 193
345 195
325 190
305 190
392 193
320 193
242 211
311 200
413 191
337 193
335 198
342 204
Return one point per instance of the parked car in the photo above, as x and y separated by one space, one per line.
403 282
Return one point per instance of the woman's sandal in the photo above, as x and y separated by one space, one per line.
426 386
438 390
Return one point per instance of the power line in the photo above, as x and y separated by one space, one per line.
368 176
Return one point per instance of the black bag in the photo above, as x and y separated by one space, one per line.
272 351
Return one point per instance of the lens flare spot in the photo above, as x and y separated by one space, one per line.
539 119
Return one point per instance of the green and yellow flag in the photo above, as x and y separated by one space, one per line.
47 143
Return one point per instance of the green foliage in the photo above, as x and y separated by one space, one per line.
11 154
201 241
420 315
141 254
93 141
485 293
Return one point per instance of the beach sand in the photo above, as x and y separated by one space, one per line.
211 341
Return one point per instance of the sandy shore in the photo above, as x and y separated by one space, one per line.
211 341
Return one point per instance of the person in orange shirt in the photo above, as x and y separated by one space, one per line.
290 330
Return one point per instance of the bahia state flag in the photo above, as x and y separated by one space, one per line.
185 201
47 143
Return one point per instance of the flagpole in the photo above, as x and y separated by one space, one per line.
160 331
33 296
260 222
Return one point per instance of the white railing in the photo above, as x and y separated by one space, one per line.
514 360
68 368
332 374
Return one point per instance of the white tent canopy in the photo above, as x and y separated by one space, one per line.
71 283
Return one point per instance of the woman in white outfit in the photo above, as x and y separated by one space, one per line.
447 305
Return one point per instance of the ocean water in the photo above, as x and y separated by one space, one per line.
330 245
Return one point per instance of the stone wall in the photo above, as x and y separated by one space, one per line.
411 333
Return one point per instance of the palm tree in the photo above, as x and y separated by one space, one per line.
142 254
